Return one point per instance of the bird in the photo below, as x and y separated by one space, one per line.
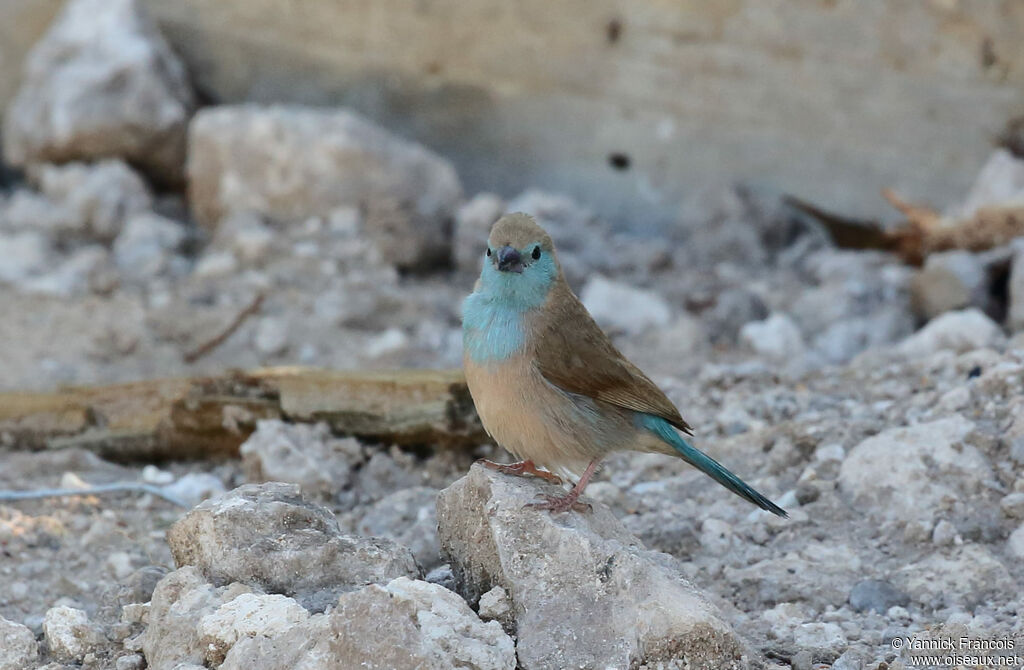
549 385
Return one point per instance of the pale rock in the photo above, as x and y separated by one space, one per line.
944 533
195 487
968 574
151 474
819 636
18 647
24 255
1015 544
960 331
582 587
715 535
407 516
69 633
290 163
180 601
130 662
473 222
101 83
912 473
302 453
1000 182
624 308
29 210
1013 505
429 627
86 269
227 539
248 615
99 197
271 335
213 264
145 248
247 235
949 280
776 337
120 565
403 625
495 605
389 341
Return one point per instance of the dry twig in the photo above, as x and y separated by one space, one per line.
214 342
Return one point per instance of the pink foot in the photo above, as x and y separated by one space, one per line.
560 504
521 468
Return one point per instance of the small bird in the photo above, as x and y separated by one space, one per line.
549 385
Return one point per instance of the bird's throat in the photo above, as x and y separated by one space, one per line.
492 330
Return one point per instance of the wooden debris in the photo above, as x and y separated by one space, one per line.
925 231
928 231
211 416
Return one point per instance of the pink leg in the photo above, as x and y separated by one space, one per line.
521 468
571 499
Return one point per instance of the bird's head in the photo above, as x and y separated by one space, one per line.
520 264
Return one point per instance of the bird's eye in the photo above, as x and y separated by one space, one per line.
488 251
536 253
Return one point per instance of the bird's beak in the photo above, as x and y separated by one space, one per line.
509 260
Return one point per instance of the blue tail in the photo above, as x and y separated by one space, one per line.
705 463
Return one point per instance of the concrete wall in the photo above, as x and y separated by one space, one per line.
828 99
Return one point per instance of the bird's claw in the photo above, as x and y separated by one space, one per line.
522 468
560 504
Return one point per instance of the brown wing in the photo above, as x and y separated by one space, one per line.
574 354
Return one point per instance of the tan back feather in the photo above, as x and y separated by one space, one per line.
574 354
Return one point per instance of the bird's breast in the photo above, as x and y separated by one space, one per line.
531 418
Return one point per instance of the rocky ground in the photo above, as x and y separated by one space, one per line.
879 403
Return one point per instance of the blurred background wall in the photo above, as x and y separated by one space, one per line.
633 107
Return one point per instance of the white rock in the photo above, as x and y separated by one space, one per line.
427 622
99 197
195 487
215 264
130 662
290 163
999 182
819 636
1013 505
944 533
246 234
494 604
101 83
87 269
1015 544
716 535
960 331
151 474
69 633
18 648
776 337
473 222
23 255
624 308
271 336
391 340
249 614
302 453
145 247
121 565
910 473
949 280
